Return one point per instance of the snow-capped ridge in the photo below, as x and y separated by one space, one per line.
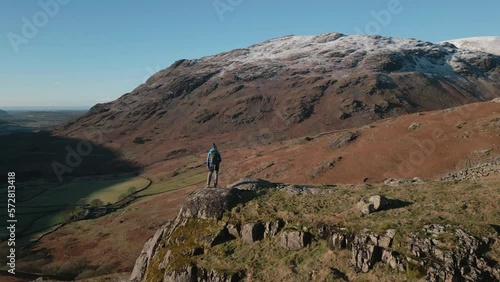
488 44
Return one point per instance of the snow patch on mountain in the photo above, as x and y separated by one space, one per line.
340 54
488 44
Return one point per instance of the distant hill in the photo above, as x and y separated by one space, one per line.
4 114
488 44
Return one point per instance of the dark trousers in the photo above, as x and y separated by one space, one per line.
213 168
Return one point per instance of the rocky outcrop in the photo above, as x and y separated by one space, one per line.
343 139
176 252
397 182
475 172
458 259
194 273
369 248
306 190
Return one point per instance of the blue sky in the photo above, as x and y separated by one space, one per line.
83 52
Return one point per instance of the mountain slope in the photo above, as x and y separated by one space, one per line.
284 88
488 44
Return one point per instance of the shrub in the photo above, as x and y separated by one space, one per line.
97 203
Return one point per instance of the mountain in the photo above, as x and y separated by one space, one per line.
488 44
284 88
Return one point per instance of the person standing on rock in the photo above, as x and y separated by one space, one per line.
214 159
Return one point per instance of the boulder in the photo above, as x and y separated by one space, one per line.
414 126
209 203
295 240
372 204
252 232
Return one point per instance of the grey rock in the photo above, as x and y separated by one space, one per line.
148 250
372 204
209 203
272 228
364 256
252 232
393 259
295 240
233 228
307 190
414 126
340 240
189 273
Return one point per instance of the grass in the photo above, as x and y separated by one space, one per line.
180 179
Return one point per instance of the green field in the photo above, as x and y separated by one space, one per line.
185 178
42 205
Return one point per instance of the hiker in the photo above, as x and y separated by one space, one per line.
213 160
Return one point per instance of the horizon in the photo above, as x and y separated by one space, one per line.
55 57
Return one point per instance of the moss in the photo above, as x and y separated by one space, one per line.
415 271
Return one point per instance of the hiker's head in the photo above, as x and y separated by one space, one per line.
215 146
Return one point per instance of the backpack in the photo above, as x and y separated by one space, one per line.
214 158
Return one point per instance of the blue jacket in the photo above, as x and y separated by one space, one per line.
208 155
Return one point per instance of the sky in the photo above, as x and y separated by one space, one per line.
77 53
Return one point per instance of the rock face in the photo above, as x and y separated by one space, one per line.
372 204
290 86
147 252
